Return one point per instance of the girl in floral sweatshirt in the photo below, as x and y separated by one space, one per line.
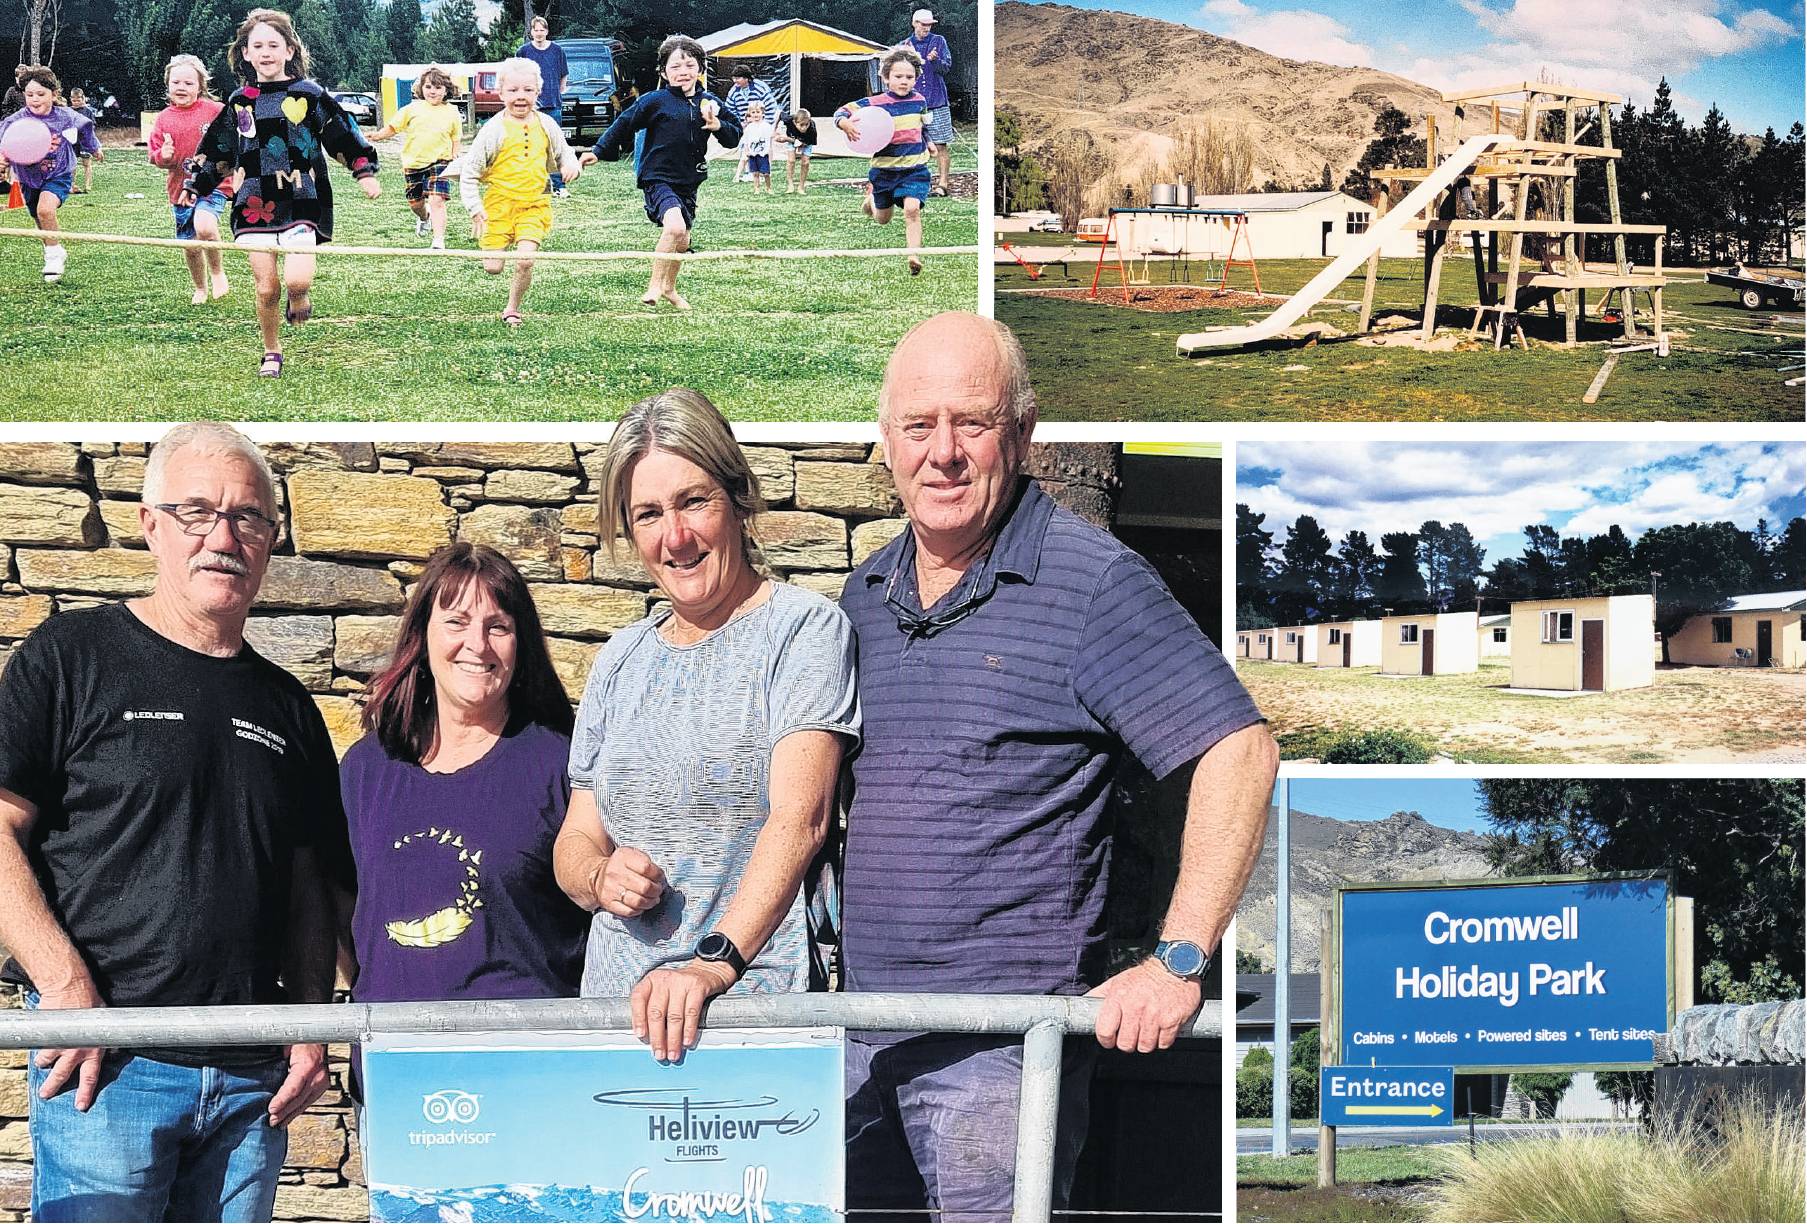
279 131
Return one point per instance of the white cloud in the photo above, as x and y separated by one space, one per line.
1297 34
1602 44
1497 489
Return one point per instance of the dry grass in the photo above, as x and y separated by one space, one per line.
1752 1170
1688 715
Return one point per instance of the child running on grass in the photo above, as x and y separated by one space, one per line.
799 132
175 135
46 183
514 155
279 131
900 170
678 121
430 127
756 147
78 102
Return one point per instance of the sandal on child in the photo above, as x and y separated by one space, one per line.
915 266
271 367
512 318
300 308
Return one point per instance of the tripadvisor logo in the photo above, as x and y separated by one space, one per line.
451 1108
697 1127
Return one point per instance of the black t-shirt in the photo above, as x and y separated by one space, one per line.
805 134
172 789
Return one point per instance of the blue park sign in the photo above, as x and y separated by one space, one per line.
1567 974
1386 1096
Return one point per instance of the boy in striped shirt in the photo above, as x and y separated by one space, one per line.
900 170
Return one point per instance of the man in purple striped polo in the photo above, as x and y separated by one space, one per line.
1010 655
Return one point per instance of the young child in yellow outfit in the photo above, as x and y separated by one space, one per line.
505 184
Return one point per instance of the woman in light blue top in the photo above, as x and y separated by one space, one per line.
708 741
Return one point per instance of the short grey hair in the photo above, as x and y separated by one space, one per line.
679 422
1018 397
520 66
206 438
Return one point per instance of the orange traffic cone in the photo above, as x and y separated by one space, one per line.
15 198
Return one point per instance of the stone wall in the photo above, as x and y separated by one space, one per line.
358 521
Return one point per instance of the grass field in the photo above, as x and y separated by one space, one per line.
419 339
1689 715
1105 362
1372 1184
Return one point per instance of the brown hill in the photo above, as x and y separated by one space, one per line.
1133 82
1328 852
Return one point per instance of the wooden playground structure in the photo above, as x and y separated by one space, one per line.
1545 261
1529 202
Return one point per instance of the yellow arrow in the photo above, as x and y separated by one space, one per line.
1429 1111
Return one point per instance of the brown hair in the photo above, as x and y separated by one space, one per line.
38 74
681 42
402 707
436 75
895 55
299 61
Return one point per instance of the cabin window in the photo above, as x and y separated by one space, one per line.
1558 626
1358 222
1408 634
1336 637
1722 630
1499 635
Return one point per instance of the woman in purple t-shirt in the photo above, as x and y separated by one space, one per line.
456 794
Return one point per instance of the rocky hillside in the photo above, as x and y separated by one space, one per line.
1327 852
1132 82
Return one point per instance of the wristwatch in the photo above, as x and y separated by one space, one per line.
1183 958
719 948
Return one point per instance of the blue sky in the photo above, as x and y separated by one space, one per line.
1499 488
1745 55
1449 803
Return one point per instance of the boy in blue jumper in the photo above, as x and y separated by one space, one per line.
678 121
900 171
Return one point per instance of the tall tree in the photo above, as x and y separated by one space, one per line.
1463 558
1789 569
1357 570
452 36
1393 145
402 22
316 25
1543 560
1400 585
1701 565
1734 845
208 33
1302 585
1253 569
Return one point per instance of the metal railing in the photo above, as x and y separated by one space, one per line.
1043 1021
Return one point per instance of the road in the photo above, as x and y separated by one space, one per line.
1305 1139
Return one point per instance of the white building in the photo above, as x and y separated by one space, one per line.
1281 225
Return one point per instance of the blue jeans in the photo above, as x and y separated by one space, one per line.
931 1124
558 117
161 1142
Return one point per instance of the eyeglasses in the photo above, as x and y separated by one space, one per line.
247 526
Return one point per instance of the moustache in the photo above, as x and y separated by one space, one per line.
218 560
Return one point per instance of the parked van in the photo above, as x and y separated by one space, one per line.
589 97
1091 229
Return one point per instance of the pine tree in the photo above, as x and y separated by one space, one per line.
452 36
401 21
208 33
314 20
1718 161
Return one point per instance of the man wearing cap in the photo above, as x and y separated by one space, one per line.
936 58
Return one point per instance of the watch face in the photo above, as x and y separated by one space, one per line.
1184 958
713 946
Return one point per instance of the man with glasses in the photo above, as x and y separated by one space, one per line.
1010 655
169 824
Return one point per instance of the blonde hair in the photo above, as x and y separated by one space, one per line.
196 65
519 67
299 60
679 422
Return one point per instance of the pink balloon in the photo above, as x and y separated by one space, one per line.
874 127
25 142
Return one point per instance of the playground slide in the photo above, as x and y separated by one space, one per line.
1421 197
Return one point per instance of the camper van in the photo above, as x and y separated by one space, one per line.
1091 229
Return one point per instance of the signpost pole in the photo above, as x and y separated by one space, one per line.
1330 1037
1282 1141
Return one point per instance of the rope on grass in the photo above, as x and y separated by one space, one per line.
333 248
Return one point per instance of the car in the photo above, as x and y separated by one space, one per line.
589 95
1049 224
360 106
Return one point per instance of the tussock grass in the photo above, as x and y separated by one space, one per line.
1751 1169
